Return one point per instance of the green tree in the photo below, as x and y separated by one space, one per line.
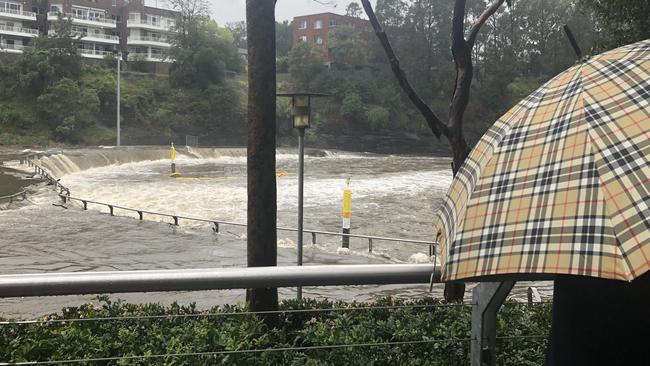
50 59
353 10
346 46
68 108
202 51
283 38
305 63
620 22
377 117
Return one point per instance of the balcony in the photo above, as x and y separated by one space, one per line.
98 54
12 48
133 56
148 41
18 31
93 37
17 14
84 20
147 24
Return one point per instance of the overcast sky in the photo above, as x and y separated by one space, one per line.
226 11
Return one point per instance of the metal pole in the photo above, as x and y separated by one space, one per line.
119 60
487 298
301 163
79 283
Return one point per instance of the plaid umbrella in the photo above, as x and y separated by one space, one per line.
561 183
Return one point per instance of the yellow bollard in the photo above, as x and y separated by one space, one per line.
346 214
172 156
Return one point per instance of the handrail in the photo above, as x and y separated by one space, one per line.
18 12
79 283
231 223
11 197
65 197
18 29
147 39
81 17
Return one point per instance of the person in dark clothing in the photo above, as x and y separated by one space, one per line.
600 322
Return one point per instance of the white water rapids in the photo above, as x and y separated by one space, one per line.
393 196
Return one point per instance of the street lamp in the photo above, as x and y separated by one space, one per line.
119 60
301 113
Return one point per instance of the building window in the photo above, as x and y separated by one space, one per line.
78 12
332 22
318 40
302 24
318 24
302 38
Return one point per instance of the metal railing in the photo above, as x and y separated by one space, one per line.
63 191
7 46
65 196
89 35
53 15
163 25
148 39
18 29
80 283
102 53
18 12
216 224
10 198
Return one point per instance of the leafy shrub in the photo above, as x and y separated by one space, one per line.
377 117
446 330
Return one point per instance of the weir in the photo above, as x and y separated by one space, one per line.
64 162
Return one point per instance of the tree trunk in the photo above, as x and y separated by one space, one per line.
262 243
461 50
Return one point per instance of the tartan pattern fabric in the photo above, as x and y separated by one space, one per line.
561 183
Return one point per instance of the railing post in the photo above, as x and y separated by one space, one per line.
140 215
487 298
313 238
175 220
110 208
85 204
216 227
369 245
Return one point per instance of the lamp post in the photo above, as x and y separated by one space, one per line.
301 113
119 60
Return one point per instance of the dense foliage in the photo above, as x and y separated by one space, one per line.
518 49
444 330
50 93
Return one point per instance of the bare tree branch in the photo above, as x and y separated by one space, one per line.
435 124
473 32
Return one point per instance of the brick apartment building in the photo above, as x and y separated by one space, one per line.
316 28
138 28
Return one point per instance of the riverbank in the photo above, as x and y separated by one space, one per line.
309 332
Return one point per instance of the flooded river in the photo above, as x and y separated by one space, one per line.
393 196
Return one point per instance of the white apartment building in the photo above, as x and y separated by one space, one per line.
98 31
139 28
17 26
148 35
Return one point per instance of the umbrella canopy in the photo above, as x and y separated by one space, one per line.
561 183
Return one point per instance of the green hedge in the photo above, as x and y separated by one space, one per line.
446 330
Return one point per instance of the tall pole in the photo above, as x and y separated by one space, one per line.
119 61
301 170
260 132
